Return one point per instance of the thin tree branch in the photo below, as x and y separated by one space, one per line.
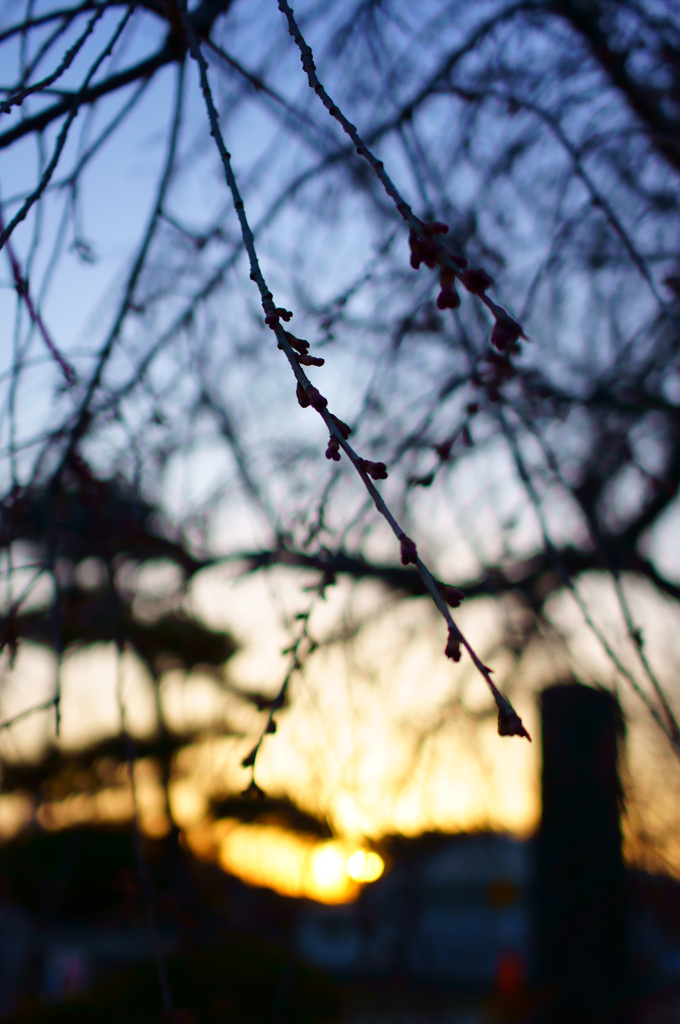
509 721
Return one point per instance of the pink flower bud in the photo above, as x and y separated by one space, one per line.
409 552
451 595
302 397
298 344
316 399
333 450
310 360
416 250
448 298
452 649
505 332
477 281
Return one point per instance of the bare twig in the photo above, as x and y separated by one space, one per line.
509 722
18 97
21 214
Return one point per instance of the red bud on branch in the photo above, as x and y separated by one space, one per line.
409 552
476 281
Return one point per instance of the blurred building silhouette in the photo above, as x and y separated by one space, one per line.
448 909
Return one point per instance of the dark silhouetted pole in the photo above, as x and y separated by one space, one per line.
581 919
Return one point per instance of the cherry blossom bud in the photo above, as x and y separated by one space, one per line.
302 397
285 314
448 298
376 470
271 320
333 450
310 360
477 281
409 552
416 250
509 722
316 399
298 344
451 595
452 649
505 332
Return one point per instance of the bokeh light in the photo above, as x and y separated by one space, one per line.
365 866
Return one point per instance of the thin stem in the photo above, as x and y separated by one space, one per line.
22 213
507 714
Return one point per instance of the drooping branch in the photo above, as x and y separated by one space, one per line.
509 722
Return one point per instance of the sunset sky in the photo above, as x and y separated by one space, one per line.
383 733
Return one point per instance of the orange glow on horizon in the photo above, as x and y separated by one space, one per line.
290 863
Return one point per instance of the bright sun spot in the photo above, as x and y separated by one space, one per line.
326 870
291 864
365 866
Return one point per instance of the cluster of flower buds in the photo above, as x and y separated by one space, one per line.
451 595
409 552
316 399
333 449
452 649
448 297
312 397
506 332
423 248
272 319
301 348
299 344
376 470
